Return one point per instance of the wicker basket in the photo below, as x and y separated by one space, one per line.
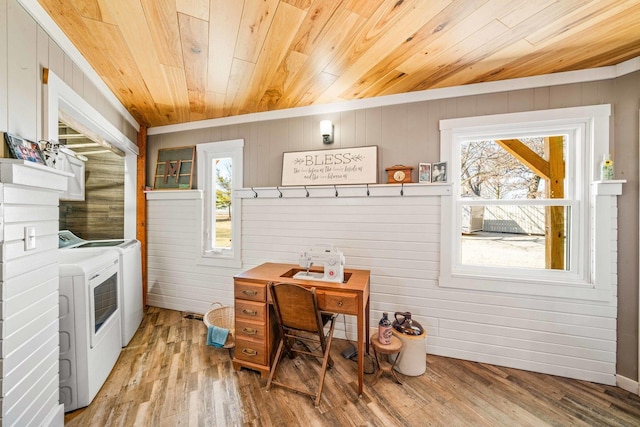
223 317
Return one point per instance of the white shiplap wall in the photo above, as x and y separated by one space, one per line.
409 133
397 239
29 300
174 278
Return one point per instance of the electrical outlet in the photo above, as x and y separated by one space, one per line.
29 238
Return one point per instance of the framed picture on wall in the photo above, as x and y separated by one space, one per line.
439 172
356 165
424 172
24 149
174 168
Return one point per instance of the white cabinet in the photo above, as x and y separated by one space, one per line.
69 163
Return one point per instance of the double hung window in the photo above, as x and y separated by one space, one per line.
519 218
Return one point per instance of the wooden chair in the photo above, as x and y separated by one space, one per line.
299 319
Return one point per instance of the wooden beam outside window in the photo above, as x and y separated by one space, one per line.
553 172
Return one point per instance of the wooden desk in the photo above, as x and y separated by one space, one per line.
256 327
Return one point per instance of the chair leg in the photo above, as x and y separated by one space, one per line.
275 363
325 362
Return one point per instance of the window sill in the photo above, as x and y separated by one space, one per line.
523 286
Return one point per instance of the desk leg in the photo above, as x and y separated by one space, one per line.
368 325
363 340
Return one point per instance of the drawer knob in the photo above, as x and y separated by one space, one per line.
250 312
250 331
249 352
250 293
340 303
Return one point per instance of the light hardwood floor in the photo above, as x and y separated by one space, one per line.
167 376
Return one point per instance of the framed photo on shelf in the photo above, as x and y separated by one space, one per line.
439 172
24 149
424 172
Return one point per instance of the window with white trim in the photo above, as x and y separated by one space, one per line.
219 172
519 218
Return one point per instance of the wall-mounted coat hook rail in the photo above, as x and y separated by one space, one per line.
345 191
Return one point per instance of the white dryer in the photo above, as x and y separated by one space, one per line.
89 319
129 252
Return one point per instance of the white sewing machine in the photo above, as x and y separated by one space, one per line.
331 259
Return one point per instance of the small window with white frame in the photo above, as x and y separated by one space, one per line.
519 218
219 172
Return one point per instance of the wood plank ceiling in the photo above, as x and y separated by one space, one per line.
175 61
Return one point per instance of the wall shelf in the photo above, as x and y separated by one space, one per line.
316 191
608 188
173 194
23 172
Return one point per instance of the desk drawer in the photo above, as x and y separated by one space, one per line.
250 310
251 330
250 291
338 302
251 351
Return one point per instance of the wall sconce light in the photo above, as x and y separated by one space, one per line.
326 129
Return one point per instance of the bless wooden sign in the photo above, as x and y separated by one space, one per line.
358 165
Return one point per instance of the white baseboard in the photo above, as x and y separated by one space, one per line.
628 384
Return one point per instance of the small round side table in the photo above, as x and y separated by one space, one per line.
381 349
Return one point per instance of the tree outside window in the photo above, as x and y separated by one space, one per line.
223 186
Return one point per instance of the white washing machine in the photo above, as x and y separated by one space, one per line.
130 275
89 316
